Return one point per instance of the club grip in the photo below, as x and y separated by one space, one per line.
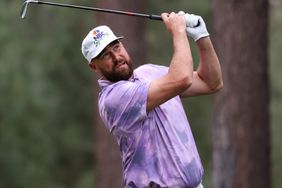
155 17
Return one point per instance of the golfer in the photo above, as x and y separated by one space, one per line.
142 108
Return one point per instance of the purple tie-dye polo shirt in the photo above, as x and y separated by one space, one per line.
157 147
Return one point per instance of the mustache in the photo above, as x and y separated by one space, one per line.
117 62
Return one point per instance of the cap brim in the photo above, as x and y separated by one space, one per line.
100 50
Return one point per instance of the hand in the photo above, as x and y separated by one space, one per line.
174 23
199 31
191 19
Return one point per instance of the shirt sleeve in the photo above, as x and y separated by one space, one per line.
151 71
123 105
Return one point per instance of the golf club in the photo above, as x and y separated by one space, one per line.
27 2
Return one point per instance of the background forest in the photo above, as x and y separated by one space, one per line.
48 93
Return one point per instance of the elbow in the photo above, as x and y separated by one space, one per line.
179 82
217 87
185 82
188 82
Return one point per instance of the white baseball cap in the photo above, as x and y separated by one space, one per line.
96 40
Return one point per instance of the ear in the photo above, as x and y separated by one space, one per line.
92 65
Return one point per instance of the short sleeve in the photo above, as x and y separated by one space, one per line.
123 105
151 71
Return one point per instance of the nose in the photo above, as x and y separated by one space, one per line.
115 56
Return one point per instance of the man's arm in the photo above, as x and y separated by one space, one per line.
208 77
179 76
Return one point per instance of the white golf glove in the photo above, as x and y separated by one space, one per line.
191 19
195 26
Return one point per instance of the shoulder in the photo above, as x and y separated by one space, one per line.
123 103
116 89
151 71
151 67
122 92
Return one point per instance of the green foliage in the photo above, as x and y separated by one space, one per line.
46 130
47 89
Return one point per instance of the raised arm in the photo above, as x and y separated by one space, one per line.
208 77
179 76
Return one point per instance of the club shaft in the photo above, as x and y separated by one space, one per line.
150 16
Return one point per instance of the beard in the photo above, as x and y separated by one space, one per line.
119 73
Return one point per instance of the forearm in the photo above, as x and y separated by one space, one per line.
181 65
209 67
179 75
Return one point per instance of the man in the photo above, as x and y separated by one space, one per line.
142 107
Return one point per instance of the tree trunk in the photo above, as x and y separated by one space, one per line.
108 160
241 132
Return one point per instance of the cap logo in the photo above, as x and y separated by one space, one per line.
98 36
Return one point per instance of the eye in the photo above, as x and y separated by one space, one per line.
116 48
